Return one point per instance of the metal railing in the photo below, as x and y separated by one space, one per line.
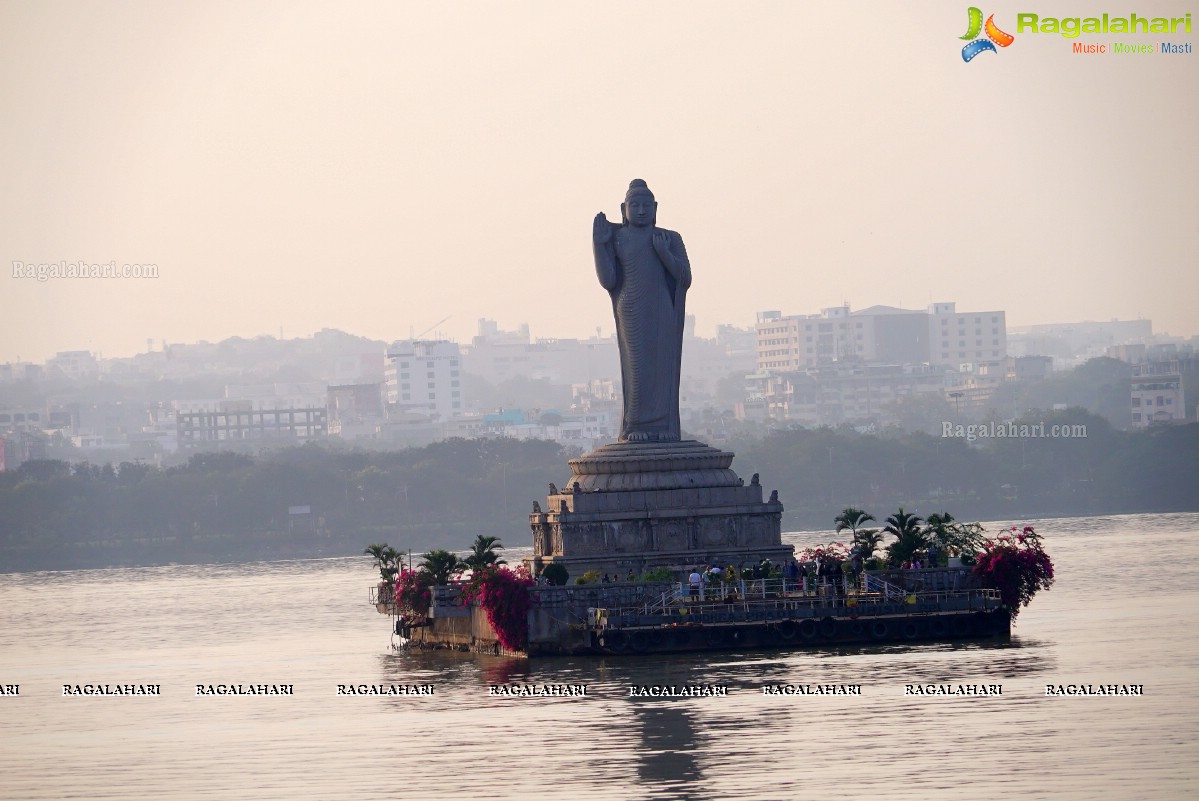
756 600
889 591
693 609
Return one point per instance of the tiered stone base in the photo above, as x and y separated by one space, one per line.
633 507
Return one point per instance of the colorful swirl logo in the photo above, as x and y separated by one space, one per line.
979 45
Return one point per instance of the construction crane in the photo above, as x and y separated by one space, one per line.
430 328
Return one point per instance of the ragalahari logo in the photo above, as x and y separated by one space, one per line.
979 45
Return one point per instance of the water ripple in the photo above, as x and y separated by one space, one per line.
1119 613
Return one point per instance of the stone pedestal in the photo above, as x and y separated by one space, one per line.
639 506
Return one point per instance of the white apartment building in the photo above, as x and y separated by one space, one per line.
74 364
425 376
940 336
1157 394
795 342
965 337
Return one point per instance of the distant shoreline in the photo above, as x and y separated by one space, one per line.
17 560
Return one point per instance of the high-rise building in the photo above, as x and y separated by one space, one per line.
425 376
957 338
1157 394
940 336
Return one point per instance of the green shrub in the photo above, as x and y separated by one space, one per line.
590 577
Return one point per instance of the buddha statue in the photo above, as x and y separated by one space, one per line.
646 272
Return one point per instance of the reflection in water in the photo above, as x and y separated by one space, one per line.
510 670
669 744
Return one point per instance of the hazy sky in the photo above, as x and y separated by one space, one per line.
378 167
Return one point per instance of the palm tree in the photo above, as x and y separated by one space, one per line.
909 536
940 530
939 521
387 559
483 553
866 540
950 535
441 565
852 518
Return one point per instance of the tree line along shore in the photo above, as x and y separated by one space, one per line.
316 500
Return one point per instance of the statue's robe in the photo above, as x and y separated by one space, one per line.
649 304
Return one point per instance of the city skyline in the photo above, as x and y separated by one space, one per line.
535 337
381 170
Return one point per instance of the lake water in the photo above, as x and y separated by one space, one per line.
1122 612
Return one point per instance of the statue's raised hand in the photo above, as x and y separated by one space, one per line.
662 244
601 230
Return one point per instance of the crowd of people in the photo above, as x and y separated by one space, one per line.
606 579
825 575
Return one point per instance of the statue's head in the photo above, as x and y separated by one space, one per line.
639 208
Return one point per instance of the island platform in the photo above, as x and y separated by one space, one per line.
632 618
